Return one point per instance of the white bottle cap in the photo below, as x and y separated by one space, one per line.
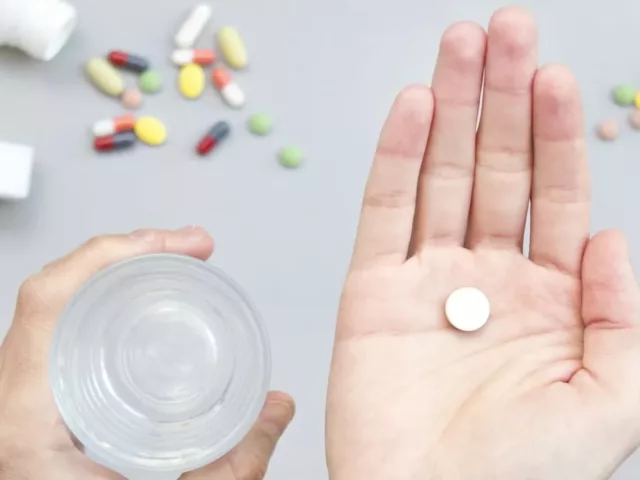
46 30
16 164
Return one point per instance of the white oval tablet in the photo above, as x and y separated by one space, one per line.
467 309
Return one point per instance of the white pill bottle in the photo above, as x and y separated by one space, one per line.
40 28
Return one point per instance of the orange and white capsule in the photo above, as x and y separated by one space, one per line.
111 126
230 91
201 56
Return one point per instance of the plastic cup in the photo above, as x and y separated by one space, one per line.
160 363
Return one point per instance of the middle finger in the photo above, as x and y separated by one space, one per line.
503 172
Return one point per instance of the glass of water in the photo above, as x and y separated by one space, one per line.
160 363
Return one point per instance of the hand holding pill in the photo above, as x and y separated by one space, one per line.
459 354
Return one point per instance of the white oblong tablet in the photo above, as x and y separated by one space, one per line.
193 26
467 309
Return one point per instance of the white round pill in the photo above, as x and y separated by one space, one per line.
467 309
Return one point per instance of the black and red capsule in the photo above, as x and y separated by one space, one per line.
217 134
126 60
118 141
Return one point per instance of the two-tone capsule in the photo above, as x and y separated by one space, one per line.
119 141
229 90
201 56
135 63
213 137
110 126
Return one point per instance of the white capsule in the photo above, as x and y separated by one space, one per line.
467 309
233 95
201 56
182 57
109 126
193 26
103 128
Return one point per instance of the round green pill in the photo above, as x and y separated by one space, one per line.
290 157
260 124
150 81
624 94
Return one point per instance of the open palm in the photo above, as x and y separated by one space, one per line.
550 387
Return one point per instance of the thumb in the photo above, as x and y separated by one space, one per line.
611 313
250 459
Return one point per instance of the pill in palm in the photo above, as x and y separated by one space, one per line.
150 130
608 130
624 94
135 63
106 78
118 141
213 137
229 90
232 47
191 80
467 309
201 56
193 26
109 126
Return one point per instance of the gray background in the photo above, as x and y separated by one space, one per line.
327 71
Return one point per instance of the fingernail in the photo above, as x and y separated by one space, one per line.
145 235
192 232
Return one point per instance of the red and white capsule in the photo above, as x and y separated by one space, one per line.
110 126
230 91
201 56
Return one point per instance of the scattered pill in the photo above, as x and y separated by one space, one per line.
636 100
193 26
624 95
150 81
119 141
135 63
201 56
230 91
608 130
467 309
106 78
232 48
191 80
131 98
634 119
260 124
213 137
290 157
109 126
150 130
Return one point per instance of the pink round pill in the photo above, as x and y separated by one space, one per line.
634 119
131 98
608 130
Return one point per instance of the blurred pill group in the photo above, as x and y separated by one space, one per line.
122 132
625 96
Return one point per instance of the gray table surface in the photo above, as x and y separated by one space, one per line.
327 71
